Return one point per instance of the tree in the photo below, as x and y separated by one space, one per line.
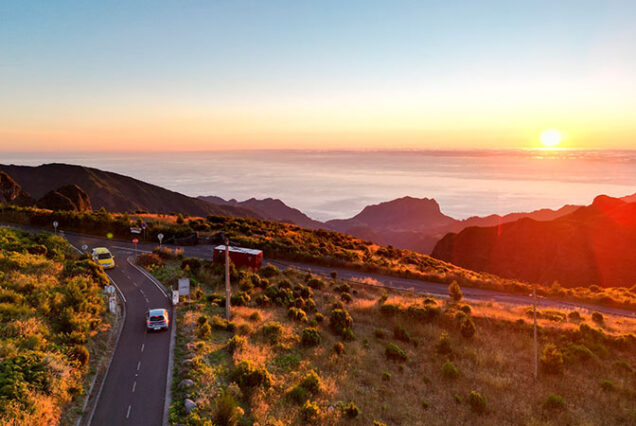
455 292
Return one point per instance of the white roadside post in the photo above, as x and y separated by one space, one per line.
55 225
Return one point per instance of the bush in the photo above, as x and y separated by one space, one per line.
297 314
311 337
226 409
219 323
315 283
340 320
389 309
297 394
574 316
552 359
348 334
597 317
249 377
351 410
466 309
338 348
399 333
580 352
310 412
379 333
386 376
449 370
273 331
467 328
81 354
192 263
443 347
455 292
146 260
311 382
394 353
477 402
320 317
607 385
204 331
255 316
554 402
269 271
236 343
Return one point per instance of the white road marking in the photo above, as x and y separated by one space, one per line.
128 412
142 346
138 365
134 386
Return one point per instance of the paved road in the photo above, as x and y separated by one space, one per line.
134 390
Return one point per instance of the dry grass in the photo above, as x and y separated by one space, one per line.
497 362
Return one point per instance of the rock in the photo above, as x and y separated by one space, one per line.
189 405
12 193
186 383
69 197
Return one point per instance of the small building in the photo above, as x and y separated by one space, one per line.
240 256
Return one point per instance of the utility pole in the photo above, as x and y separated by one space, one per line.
534 311
227 279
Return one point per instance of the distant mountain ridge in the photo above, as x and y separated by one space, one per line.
115 192
595 244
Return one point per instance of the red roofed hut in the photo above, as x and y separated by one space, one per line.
240 256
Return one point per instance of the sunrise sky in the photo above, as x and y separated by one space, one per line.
199 75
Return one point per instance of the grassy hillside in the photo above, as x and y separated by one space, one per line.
302 350
52 328
320 247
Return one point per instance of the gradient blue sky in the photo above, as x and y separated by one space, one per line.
360 74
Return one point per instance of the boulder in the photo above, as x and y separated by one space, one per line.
189 405
186 383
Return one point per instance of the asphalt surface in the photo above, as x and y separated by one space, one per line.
134 389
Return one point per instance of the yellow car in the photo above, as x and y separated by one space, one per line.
103 257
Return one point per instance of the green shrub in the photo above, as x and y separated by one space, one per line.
340 320
255 316
552 359
192 263
236 343
348 334
554 402
386 376
455 292
146 260
226 409
297 314
240 299
351 410
315 283
580 352
389 309
219 323
394 353
311 337
467 328
310 412
249 377
449 371
425 404
466 309
379 333
399 333
311 382
269 271
574 316
477 402
346 297
273 331
81 354
320 317
622 366
204 331
443 346
298 395
338 348
597 317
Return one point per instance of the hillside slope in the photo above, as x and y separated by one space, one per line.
269 208
114 192
595 244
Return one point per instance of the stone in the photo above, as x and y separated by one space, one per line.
186 383
189 405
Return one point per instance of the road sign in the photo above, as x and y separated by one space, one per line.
109 289
184 286
55 224
143 225
160 237
135 230
135 240
84 247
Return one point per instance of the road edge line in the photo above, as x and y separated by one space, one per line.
121 328
150 277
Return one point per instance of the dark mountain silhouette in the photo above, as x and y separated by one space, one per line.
69 197
595 244
269 208
12 193
113 191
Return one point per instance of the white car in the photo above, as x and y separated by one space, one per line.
157 319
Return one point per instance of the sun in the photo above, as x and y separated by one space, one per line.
551 138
